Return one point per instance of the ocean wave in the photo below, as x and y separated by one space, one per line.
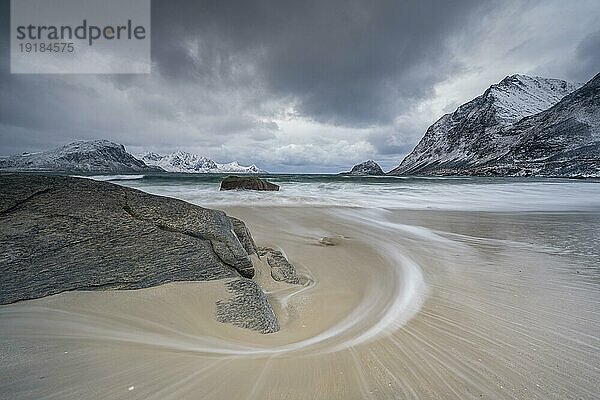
111 177
458 194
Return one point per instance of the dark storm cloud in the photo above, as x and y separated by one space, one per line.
349 63
299 85
387 143
588 58
345 62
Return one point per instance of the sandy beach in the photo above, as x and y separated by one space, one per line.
398 304
300 200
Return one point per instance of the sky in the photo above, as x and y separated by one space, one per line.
299 86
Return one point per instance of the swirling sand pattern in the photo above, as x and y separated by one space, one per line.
405 304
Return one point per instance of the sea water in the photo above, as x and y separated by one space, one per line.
415 193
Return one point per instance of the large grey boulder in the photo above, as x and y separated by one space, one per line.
62 233
247 183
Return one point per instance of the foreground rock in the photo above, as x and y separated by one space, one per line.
88 156
368 167
60 233
281 269
247 183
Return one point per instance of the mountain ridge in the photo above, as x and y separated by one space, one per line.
473 139
182 161
83 156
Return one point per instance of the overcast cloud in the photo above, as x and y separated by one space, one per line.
300 85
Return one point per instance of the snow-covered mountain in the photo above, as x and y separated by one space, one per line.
561 141
474 134
88 156
181 161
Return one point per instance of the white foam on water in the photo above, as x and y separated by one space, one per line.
110 177
461 194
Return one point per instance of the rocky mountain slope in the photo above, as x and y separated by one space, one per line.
368 167
476 133
181 161
91 156
561 141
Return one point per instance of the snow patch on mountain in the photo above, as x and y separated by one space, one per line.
472 135
181 161
86 156
518 96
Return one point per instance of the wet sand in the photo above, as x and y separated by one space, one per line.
401 304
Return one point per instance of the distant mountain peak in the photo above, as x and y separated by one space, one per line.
518 96
83 156
183 161
542 117
93 143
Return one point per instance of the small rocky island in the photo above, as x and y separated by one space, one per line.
247 183
368 167
61 233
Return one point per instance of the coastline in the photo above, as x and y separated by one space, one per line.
503 314
390 200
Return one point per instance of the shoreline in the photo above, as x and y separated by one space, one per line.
503 317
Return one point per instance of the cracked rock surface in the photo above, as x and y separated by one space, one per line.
60 233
